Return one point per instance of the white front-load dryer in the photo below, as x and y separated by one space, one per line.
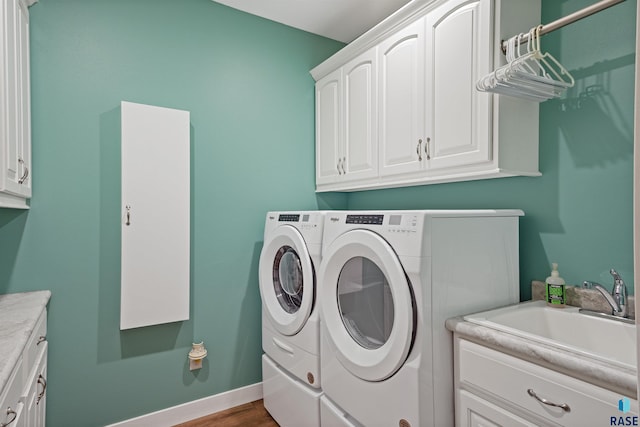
390 279
290 319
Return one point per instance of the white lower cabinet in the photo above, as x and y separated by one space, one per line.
496 389
474 411
23 399
11 405
35 395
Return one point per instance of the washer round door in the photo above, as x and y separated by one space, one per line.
367 305
287 280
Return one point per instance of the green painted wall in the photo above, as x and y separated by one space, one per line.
247 85
579 213
246 82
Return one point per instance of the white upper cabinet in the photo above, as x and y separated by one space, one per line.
15 116
427 123
328 129
346 122
401 100
360 155
458 116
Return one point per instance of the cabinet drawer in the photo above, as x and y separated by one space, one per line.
509 379
34 344
480 413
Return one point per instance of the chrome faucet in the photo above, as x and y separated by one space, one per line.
618 297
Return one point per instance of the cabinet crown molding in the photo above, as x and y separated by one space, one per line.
408 13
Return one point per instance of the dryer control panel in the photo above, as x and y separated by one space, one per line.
393 223
365 219
405 223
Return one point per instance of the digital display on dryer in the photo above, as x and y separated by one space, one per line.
289 218
365 219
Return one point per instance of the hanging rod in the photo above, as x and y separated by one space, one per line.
569 19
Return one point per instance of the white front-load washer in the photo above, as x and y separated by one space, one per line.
390 279
290 320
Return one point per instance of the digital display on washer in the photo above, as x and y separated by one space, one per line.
365 219
289 217
395 219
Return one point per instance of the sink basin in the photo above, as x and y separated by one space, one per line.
601 338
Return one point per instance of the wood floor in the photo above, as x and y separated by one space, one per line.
250 414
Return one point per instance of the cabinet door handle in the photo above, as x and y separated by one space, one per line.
338 166
419 151
25 174
10 413
41 339
43 382
344 161
563 406
427 149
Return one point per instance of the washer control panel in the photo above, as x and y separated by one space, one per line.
290 217
302 221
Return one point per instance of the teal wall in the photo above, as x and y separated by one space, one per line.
247 85
579 213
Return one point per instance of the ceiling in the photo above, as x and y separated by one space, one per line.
342 20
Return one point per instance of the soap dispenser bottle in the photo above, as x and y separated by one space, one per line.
555 289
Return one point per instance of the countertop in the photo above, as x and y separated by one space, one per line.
18 316
590 370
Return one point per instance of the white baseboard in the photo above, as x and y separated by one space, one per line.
196 409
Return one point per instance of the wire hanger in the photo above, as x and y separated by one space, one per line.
532 75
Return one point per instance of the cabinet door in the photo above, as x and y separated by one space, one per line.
11 406
15 132
24 102
328 129
458 54
155 228
35 394
360 148
402 100
473 411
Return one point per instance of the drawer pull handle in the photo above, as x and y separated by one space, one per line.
563 406
43 382
10 412
41 339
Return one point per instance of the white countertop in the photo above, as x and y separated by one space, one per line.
18 316
590 370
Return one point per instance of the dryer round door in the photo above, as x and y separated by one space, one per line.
287 280
367 305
